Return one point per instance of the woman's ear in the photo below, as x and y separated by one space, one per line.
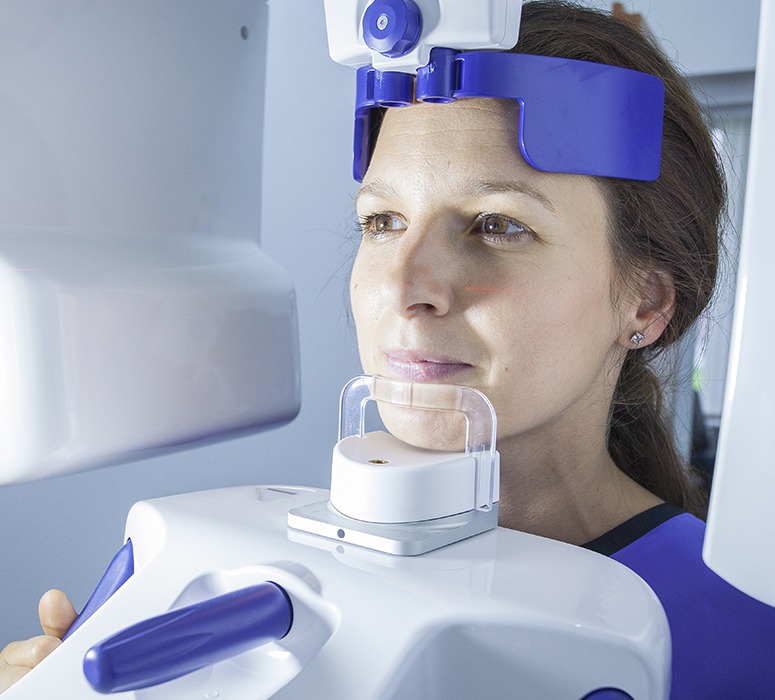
657 303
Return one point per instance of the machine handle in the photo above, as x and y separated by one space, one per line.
119 571
185 640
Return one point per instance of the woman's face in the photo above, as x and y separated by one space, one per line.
476 269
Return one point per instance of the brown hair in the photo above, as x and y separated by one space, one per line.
670 225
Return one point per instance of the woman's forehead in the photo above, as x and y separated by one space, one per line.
461 140
433 147
480 122
473 110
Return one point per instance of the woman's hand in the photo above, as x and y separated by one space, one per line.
56 616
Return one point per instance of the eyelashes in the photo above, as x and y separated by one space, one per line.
490 226
380 224
500 228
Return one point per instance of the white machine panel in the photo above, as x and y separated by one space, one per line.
453 24
505 613
741 526
137 312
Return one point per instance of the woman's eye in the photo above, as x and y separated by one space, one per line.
498 226
382 223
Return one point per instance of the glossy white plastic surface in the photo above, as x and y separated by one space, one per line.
741 524
504 613
379 479
454 24
137 312
112 349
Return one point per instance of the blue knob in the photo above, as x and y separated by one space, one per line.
392 27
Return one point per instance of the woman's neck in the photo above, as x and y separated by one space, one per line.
573 495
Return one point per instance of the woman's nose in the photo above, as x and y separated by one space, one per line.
420 277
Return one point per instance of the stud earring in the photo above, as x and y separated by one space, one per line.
637 338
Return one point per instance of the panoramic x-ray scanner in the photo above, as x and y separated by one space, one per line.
138 314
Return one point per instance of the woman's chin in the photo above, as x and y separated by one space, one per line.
430 430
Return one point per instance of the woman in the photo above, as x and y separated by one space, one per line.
551 293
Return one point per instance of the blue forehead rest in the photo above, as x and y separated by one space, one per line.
575 116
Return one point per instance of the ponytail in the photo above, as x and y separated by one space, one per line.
640 439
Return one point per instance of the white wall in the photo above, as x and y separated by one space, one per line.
705 37
63 532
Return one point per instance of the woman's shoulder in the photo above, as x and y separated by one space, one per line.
637 527
723 640
664 546
668 556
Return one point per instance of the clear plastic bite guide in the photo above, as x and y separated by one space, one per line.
393 497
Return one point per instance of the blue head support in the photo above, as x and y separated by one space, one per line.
574 117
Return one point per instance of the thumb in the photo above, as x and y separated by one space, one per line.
56 613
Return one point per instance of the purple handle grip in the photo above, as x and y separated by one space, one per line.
119 571
184 640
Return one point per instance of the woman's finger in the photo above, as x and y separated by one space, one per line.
56 613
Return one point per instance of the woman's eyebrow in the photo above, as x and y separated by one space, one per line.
376 188
475 188
482 188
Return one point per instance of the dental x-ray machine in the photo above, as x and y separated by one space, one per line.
146 318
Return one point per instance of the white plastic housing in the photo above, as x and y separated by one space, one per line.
741 523
453 24
137 311
504 614
379 479
109 351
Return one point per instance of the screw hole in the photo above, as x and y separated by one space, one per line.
340 534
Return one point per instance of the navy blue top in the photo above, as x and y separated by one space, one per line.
723 640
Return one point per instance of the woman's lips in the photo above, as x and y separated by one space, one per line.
423 367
